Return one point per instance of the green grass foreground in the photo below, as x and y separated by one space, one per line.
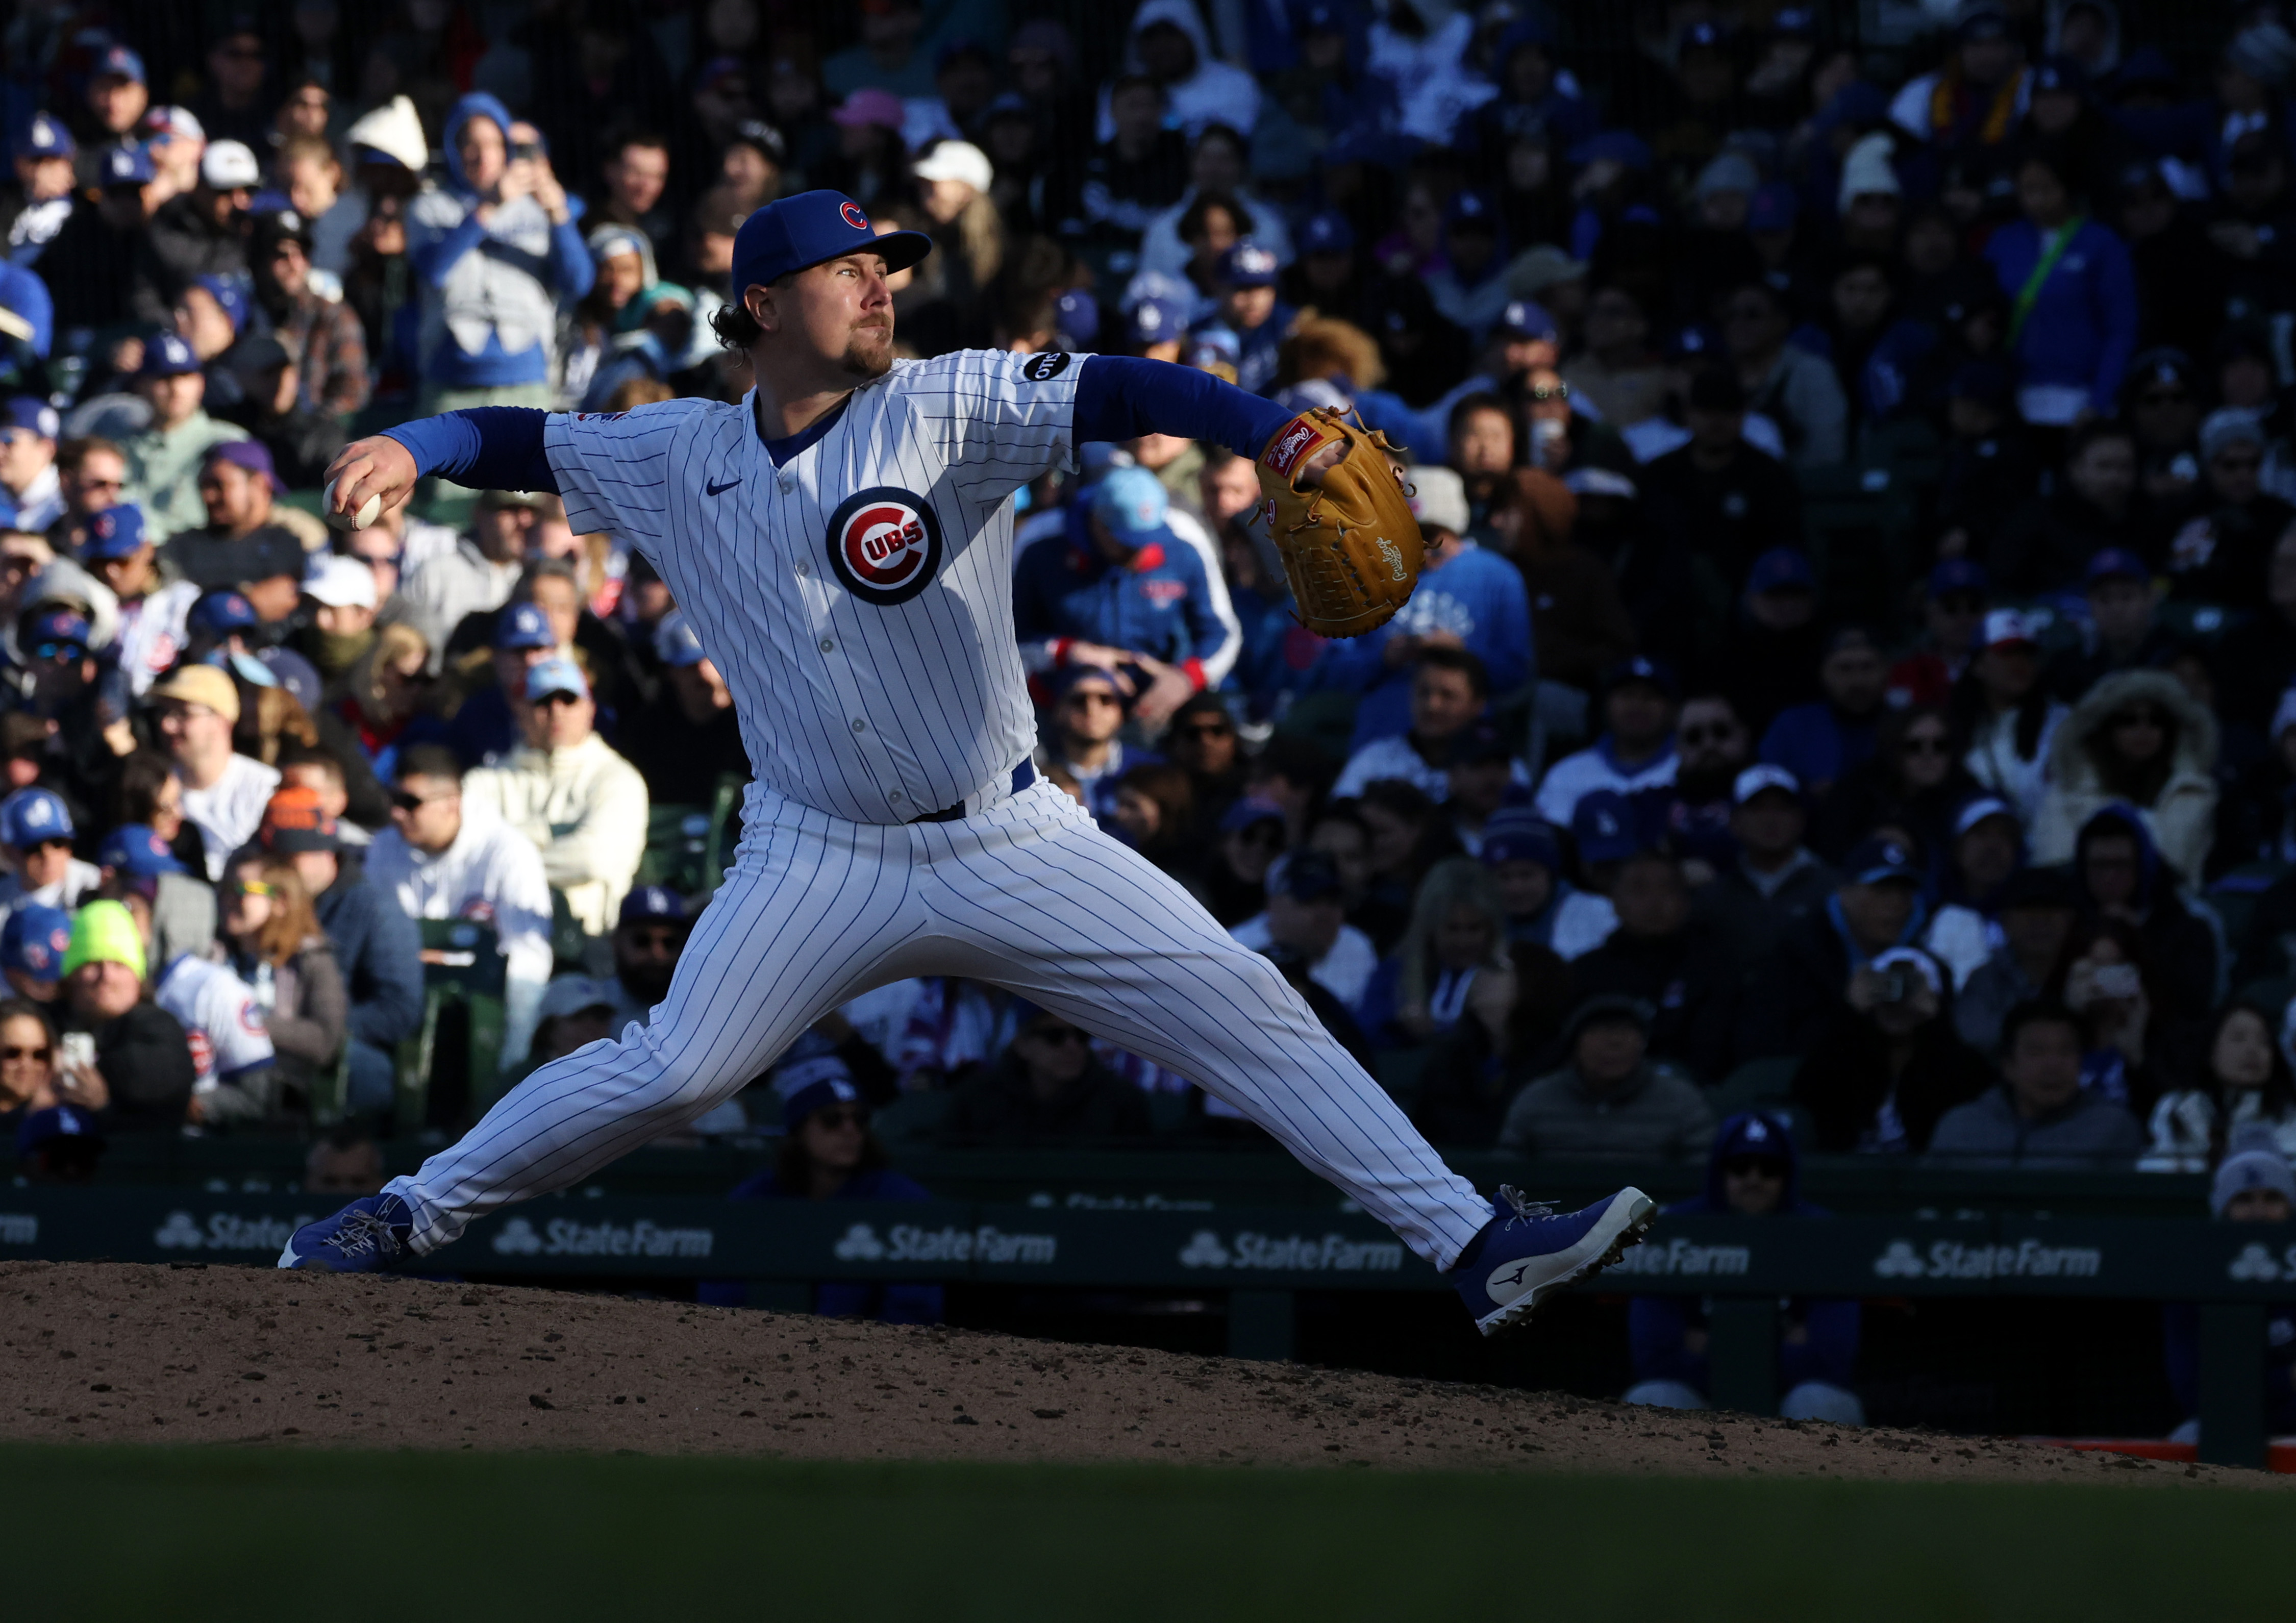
151 1533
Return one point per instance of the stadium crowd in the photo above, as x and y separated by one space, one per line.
1851 676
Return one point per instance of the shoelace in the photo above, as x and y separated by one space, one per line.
1525 1209
363 1232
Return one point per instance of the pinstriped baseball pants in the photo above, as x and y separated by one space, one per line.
1027 895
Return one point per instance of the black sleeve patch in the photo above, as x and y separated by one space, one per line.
1045 368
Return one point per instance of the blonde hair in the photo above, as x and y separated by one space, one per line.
279 720
293 921
1325 347
1456 882
392 643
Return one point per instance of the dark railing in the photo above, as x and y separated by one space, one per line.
1260 1258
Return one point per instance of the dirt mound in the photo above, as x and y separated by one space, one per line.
188 1353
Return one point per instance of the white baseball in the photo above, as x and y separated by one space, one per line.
363 519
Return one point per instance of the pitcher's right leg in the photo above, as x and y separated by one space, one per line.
799 925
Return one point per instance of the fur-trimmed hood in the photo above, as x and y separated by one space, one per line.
2074 769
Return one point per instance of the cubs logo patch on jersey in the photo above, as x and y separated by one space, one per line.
884 544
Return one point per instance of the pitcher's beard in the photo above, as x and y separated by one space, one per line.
869 352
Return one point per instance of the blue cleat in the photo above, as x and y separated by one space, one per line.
360 1239
1520 1258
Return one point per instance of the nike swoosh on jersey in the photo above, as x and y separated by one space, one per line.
721 489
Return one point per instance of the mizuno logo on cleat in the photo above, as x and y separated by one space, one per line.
1514 1278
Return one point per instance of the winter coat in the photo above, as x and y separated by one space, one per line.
1654 1114
1845 1085
2088 1131
2182 817
2082 329
379 952
585 808
489 291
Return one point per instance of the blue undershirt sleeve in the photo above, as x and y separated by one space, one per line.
1120 398
489 448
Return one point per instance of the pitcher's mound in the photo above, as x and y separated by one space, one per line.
115 1352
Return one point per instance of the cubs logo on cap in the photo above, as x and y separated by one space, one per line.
884 544
115 532
808 229
854 218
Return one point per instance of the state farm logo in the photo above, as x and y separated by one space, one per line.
906 1242
2256 1264
1952 1259
226 1231
1290 1253
884 543
566 1237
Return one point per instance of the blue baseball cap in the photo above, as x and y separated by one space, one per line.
40 1128
52 626
809 228
675 642
1782 568
125 165
1641 667
1471 210
1132 501
1693 343
1761 779
31 412
230 293
1518 836
31 816
1157 321
1305 876
1070 677
1879 862
1248 265
524 626
1522 318
118 62
556 674
1961 576
134 849
1248 813
166 355
1076 321
1602 823
221 613
34 941
1328 232
1621 146
819 1094
651 904
2111 563
48 137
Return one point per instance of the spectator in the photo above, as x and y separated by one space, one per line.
31 493
2039 1115
2253 1185
91 474
2244 1092
1723 499
2123 633
1466 598
272 942
828 1153
2036 919
42 199
1203 744
1114 586
1790 386
1618 373
493 251
478 576
2006 714
687 739
32 946
1609 1098
1986 851
2119 874
1541 907
165 458
1751 1172
346 1162
183 906
1658 957
649 936
152 611
199 233
248 538
443 859
582 806
1877 1080
1448 690
1307 913
636 184
54 1116
35 826
2139 740
1772 883
1453 960
1821 741
2048 544
1049 1088
223 791
1579 626
1878 906
2072 328
1776 640
90 264
1635 751
140 1057
1155 814
1087 712
323 340
2217 553
487 724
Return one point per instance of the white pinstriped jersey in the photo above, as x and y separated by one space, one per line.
858 600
